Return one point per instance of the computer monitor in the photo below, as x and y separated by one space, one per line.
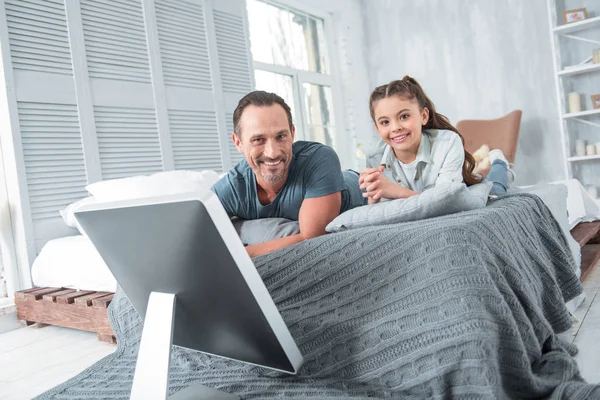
183 253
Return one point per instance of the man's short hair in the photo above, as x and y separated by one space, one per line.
258 98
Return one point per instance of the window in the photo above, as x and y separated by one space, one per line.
291 58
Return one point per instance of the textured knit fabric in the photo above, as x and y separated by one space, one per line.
461 306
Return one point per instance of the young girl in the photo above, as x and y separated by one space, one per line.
419 147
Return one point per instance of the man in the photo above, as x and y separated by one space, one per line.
300 181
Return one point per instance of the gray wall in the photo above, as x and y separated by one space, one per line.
475 59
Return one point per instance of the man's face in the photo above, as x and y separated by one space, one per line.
266 141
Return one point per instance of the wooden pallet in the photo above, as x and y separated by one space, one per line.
84 309
587 234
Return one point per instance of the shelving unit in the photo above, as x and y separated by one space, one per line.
575 26
581 114
579 70
570 46
584 158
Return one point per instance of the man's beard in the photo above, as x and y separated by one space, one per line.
272 178
278 173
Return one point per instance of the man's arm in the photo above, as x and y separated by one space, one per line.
315 214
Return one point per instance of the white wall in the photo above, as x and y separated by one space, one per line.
475 59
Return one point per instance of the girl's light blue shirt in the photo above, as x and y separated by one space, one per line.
440 159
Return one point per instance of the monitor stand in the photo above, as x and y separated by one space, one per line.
151 378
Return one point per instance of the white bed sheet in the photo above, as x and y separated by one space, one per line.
581 206
72 262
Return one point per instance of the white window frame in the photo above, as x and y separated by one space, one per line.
300 77
7 244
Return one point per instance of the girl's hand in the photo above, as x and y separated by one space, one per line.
368 175
376 185
367 172
375 198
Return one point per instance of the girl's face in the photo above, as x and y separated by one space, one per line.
399 122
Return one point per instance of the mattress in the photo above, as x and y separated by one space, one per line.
72 262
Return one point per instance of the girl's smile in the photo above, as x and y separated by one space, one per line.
400 139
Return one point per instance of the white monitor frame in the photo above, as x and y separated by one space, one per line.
158 324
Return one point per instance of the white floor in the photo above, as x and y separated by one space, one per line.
33 360
586 333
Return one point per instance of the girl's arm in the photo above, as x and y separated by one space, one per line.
451 170
397 192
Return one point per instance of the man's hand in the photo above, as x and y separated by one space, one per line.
256 250
315 214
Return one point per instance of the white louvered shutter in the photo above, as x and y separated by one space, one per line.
183 44
115 40
236 77
233 52
53 156
117 55
188 84
106 89
127 141
38 36
48 136
195 140
235 155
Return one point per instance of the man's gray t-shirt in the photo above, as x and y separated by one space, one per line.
314 172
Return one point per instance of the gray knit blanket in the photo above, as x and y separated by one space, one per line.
462 306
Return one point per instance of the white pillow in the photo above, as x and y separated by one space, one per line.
68 214
161 183
117 189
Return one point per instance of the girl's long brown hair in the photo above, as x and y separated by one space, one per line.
409 88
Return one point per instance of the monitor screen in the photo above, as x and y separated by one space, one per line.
176 245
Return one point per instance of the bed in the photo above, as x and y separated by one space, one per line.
467 305
73 263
